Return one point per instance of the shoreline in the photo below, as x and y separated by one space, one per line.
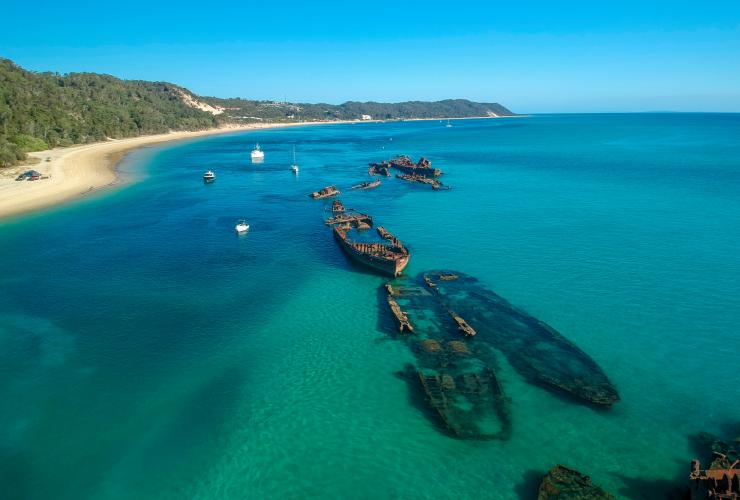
75 171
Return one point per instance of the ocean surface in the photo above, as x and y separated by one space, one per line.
147 351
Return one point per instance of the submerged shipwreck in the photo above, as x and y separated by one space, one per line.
423 180
459 385
536 350
562 483
382 168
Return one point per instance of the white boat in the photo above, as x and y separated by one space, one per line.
448 124
294 166
209 176
241 226
257 153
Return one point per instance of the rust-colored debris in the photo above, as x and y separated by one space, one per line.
462 325
381 168
324 193
423 167
423 180
721 481
404 325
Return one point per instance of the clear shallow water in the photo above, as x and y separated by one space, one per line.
146 351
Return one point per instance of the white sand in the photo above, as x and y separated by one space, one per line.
77 170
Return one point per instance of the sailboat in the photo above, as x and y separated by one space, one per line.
449 125
294 166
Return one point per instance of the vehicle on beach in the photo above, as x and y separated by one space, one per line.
29 175
209 177
257 153
241 226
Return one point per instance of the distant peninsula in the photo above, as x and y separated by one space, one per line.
39 111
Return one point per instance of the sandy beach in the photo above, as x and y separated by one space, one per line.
74 171
77 170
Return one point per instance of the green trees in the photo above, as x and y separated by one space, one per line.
42 110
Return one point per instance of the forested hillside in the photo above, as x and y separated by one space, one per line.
43 110
243 109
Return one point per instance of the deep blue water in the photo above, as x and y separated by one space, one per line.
147 351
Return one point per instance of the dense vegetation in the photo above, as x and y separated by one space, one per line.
43 110
246 110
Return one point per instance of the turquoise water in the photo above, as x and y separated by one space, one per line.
147 351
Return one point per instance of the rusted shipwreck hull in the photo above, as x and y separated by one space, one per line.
387 258
326 192
536 350
421 168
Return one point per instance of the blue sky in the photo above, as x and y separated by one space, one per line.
531 56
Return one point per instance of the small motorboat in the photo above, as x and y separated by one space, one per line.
257 154
241 226
209 176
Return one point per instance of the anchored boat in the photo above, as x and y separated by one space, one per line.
257 153
209 177
241 226
294 166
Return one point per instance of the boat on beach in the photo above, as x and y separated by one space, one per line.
257 154
367 185
209 177
389 257
326 192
